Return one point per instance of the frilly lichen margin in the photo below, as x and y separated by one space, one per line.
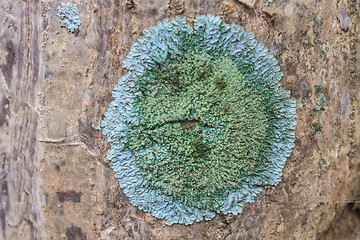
151 49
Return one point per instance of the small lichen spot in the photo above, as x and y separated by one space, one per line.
69 16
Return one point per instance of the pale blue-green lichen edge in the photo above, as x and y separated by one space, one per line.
152 48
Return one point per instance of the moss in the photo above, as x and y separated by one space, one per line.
199 125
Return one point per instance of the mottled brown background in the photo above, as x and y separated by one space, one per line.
55 181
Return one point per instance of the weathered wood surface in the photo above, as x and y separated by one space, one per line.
54 176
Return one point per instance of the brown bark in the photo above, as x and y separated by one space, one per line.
55 180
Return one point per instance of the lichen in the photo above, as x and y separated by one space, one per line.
318 127
199 124
268 2
319 88
323 54
321 101
69 16
315 110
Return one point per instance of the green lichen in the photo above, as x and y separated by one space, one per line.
320 162
223 114
318 127
268 2
319 88
315 19
323 53
199 125
321 101
315 110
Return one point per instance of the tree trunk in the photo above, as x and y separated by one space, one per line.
55 180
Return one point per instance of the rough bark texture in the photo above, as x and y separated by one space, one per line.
55 181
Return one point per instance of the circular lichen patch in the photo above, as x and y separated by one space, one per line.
199 125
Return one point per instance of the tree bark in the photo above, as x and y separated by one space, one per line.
55 180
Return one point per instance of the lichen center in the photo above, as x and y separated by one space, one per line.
202 126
